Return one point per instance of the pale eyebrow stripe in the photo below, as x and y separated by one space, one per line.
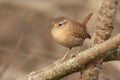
63 21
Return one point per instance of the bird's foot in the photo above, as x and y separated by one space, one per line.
73 55
59 61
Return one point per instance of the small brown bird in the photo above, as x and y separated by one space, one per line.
69 33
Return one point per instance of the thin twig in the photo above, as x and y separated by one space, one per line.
15 51
12 56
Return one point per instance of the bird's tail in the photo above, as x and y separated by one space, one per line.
87 18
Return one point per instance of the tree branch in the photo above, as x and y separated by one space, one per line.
74 64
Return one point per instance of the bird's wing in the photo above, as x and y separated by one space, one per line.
80 31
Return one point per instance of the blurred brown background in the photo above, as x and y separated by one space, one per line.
25 41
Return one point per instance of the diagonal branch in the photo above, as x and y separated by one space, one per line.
74 64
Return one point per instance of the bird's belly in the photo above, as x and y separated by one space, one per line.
72 42
67 40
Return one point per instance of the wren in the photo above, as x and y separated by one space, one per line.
69 32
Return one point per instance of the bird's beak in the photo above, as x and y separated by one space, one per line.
51 25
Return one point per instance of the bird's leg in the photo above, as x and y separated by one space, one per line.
65 56
75 54
78 50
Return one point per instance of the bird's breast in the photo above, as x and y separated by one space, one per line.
65 38
59 35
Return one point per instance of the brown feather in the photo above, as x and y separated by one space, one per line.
87 18
79 30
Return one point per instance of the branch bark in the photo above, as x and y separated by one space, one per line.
74 64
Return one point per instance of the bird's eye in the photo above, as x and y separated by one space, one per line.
60 24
